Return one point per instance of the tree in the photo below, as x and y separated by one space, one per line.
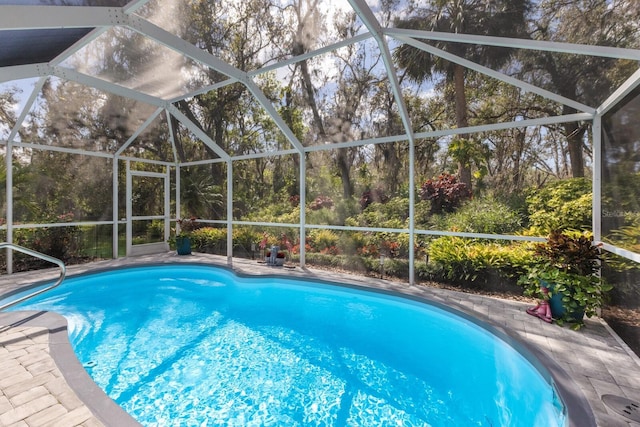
7 114
335 123
505 18
587 79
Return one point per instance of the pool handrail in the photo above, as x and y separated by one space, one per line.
59 263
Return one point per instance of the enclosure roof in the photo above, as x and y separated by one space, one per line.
168 63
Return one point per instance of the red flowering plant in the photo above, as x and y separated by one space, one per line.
287 244
184 226
263 243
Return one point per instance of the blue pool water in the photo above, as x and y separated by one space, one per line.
195 345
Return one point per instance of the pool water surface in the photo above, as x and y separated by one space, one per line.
198 345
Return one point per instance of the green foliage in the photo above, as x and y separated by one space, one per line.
568 264
155 230
391 267
392 214
278 213
57 241
465 259
422 214
561 205
485 215
470 152
323 240
209 239
245 236
627 237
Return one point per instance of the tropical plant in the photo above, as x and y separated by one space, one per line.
567 269
445 193
560 205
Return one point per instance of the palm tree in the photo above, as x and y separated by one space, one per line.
503 18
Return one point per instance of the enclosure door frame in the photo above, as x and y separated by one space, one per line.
138 249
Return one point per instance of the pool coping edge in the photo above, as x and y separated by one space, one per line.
76 377
105 409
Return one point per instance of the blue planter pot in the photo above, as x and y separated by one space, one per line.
558 308
183 245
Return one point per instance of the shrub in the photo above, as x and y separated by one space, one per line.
209 239
375 195
391 214
244 237
561 205
392 267
59 242
445 193
321 202
570 252
322 240
155 230
466 259
486 215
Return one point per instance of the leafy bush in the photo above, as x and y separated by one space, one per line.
155 230
244 237
209 239
392 214
465 259
445 193
375 195
280 213
422 214
391 267
485 215
561 205
321 202
59 242
323 240
570 252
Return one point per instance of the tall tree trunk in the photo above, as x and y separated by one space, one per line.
464 166
575 134
345 172
520 135
342 156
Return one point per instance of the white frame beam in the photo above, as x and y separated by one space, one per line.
517 43
495 74
370 21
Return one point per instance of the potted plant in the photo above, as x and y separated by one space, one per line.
183 234
566 277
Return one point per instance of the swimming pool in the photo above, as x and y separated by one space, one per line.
201 345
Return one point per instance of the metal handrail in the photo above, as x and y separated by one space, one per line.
63 271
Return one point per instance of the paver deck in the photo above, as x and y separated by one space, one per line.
43 384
